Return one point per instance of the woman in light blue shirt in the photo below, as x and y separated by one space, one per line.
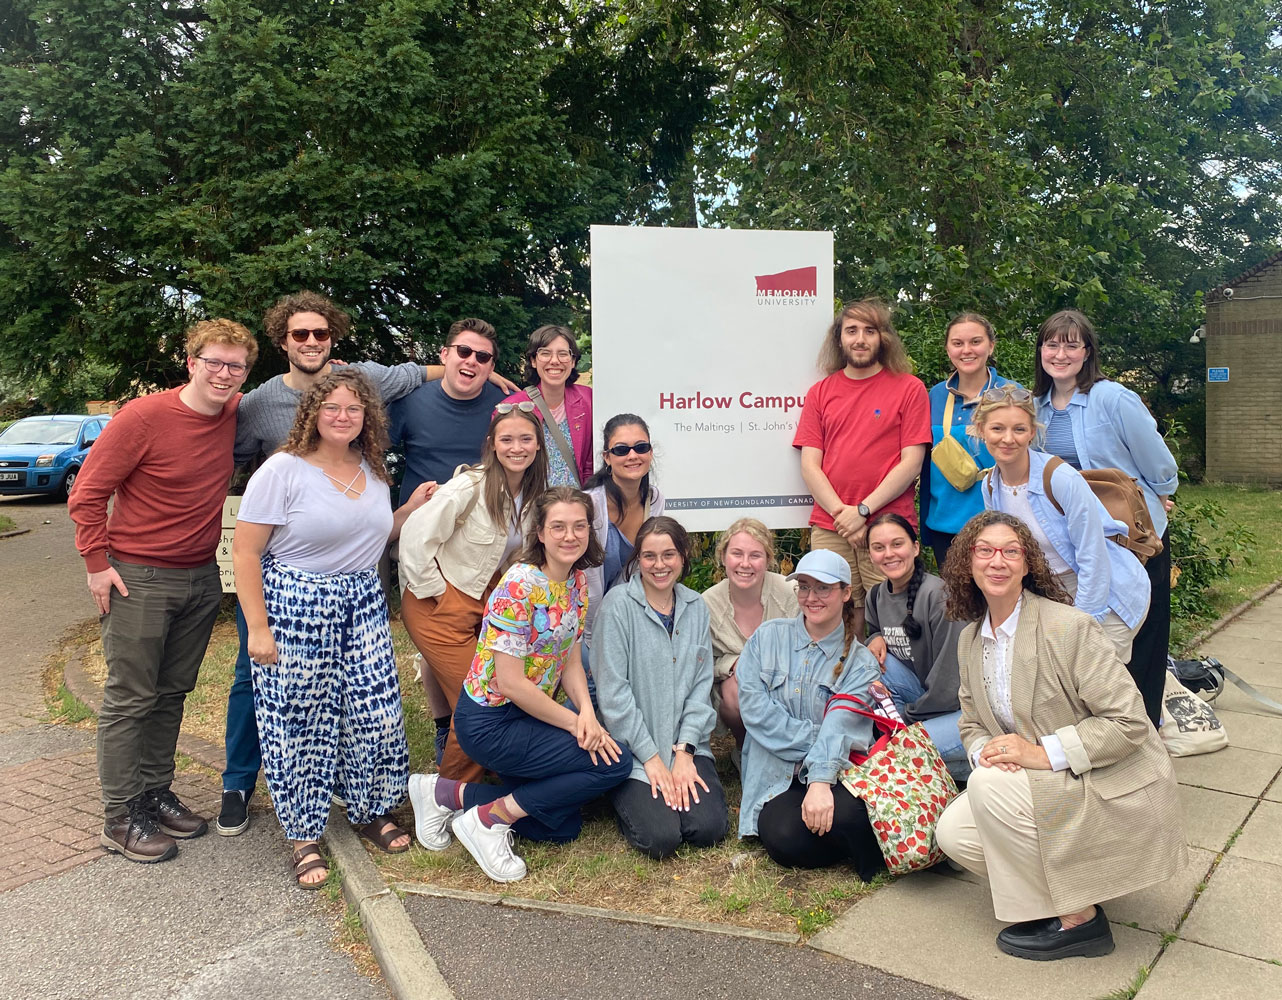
793 752
1093 423
1104 579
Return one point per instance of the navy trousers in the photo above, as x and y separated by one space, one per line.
244 758
541 766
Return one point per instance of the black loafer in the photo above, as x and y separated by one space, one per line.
1044 941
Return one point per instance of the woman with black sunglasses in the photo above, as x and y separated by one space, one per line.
623 498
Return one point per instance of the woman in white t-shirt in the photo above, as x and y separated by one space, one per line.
312 527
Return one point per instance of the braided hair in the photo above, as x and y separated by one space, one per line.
911 625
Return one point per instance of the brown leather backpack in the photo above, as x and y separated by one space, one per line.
1122 495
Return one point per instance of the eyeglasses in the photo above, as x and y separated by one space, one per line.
547 354
482 357
558 529
1015 393
234 368
619 450
332 410
1009 552
1067 346
525 406
300 336
818 589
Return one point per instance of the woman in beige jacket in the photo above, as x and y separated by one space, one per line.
1073 799
454 549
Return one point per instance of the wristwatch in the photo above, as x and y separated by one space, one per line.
689 748
864 512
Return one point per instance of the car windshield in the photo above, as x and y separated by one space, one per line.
41 432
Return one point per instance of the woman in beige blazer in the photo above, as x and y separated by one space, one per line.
1072 800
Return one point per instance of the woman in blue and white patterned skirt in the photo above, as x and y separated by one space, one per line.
312 527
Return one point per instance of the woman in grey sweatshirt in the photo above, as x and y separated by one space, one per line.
653 665
913 640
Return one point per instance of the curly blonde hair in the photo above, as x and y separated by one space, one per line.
371 442
966 602
755 530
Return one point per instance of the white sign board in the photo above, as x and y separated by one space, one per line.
230 508
712 336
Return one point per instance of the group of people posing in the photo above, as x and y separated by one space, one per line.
564 659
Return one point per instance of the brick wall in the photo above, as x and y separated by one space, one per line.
1244 415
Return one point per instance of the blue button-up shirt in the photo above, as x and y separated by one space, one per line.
785 681
1108 576
1112 429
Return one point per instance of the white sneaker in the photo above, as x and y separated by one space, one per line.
431 821
492 846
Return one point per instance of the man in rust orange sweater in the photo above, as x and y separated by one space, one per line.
167 459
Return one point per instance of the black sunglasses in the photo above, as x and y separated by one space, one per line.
300 336
483 357
619 450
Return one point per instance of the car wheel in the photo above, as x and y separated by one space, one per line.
68 481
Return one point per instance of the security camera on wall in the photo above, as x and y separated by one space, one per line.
1228 293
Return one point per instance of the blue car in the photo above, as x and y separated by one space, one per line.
44 454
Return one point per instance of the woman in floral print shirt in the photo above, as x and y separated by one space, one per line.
550 758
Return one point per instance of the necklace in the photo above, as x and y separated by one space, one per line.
346 487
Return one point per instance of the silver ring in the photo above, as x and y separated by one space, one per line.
1002 749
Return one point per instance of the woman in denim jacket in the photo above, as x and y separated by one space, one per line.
1094 423
1104 579
794 752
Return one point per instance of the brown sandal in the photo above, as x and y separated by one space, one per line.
302 865
381 831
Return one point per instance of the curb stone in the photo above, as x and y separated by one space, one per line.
408 969
14 533
598 913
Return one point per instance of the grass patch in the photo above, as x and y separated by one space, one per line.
7 523
1128 991
1256 508
66 708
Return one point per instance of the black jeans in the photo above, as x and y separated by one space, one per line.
790 843
649 825
1152 642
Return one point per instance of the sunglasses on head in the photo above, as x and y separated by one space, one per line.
619 450
502 409
1011 391
482 357
300 336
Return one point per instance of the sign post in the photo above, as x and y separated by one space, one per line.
712 336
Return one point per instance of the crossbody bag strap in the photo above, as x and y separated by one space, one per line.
1249 689
553 428
948 410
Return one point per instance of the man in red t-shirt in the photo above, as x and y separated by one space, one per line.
863 435
167 459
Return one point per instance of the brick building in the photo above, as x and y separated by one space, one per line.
1244 413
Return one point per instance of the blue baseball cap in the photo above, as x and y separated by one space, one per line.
823 565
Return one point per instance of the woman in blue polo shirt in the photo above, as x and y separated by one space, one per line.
1094 423
950 482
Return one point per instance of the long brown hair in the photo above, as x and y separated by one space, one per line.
966 602
371 442
891 354
499 501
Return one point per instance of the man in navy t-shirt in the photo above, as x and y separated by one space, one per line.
442 425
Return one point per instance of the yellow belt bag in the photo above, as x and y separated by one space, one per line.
951 458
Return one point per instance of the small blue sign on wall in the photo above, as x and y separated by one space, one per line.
1217 374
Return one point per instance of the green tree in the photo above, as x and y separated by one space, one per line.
1016 158
419 160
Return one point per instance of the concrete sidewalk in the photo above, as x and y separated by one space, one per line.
1212 932
223 919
